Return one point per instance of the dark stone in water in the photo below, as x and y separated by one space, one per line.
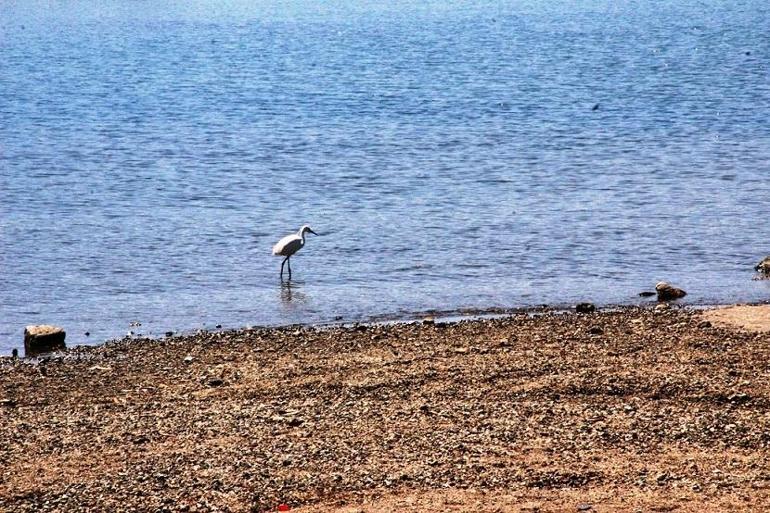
43 339
169 333
646 293
585 308
666 292
595 107
763 266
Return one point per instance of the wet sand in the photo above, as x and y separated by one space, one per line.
626 410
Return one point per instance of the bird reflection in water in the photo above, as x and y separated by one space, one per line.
291 293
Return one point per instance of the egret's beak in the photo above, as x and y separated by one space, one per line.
311 231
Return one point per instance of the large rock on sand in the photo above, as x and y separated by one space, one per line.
43 339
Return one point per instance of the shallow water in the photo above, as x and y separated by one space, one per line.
450 156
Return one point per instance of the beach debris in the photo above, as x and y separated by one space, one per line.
15 353
585 308
584 507
216 382
9 403
295 422
429 320
43 338
188 359
667 292
763 266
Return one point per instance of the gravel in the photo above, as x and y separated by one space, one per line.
630 409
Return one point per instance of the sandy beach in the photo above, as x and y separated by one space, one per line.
634 409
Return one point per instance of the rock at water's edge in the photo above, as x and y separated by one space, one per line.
666 292
43 339
764 265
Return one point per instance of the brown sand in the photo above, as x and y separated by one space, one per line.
747 317
630 410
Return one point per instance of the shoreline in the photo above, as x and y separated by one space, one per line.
624 409
407 317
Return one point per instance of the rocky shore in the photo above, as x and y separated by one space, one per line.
636 409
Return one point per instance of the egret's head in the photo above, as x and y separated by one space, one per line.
305 228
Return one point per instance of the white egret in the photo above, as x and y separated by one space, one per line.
290 244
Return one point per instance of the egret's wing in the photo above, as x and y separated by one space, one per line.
288 245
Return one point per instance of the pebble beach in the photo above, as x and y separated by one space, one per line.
629 409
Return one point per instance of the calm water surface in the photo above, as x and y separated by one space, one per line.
450 156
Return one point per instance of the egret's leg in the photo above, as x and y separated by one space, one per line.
282 264
289 263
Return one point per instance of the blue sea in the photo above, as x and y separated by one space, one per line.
452 156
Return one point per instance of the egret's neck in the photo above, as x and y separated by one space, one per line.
302 236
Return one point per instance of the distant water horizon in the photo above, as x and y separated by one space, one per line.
452 156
